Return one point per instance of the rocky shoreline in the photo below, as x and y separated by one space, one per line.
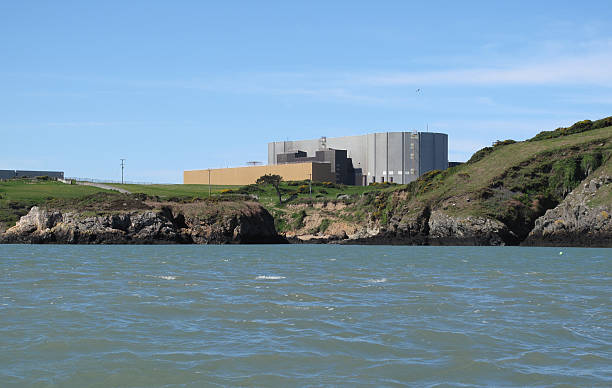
573 222
248 224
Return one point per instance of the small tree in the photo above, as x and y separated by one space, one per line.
273 180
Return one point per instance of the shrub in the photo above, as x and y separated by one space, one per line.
580 126
280 224
298 219
565 176
324 225
590 162
480 154
297 183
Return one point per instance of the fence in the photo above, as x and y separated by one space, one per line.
92 180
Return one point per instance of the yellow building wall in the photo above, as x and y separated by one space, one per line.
321 172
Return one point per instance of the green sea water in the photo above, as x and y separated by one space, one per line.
303 315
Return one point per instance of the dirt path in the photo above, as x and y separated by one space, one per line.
103 186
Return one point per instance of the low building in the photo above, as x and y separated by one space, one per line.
340 166
11 174
318 172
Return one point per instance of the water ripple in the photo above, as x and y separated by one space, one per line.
304 315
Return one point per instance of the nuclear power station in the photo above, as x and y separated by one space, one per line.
397 157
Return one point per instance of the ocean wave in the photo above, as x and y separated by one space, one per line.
165 277
269 277
381 280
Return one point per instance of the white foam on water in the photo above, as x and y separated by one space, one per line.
269 277
382 280
165 277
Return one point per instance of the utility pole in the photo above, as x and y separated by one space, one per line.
310 187
122 166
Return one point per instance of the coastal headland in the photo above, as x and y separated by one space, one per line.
553 189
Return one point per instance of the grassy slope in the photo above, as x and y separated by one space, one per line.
168 191
604 194
514 183
18 196
469 179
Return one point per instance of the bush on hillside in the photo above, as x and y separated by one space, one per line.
566 174
579 127
480 154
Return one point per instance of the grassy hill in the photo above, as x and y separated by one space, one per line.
516 182
173 191
18 196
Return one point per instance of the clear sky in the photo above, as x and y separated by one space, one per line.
176 85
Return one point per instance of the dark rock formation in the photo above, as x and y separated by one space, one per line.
447 230
575 222
249 223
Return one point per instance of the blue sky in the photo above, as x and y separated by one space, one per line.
183 85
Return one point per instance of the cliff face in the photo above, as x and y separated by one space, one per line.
575 221
246 223
420 226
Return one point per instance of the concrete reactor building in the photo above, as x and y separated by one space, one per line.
397 157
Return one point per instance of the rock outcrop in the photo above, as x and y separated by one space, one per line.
447 230
416 227
248 223
575 221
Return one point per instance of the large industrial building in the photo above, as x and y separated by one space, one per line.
398 157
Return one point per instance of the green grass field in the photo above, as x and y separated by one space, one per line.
178 190
18 196
266 194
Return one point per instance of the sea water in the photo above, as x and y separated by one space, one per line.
304 315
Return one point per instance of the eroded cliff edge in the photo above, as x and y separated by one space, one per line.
125 220
582 219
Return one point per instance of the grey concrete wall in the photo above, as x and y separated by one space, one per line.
7 174
380 157
395 160
433 152
282 147
411 156
355 146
